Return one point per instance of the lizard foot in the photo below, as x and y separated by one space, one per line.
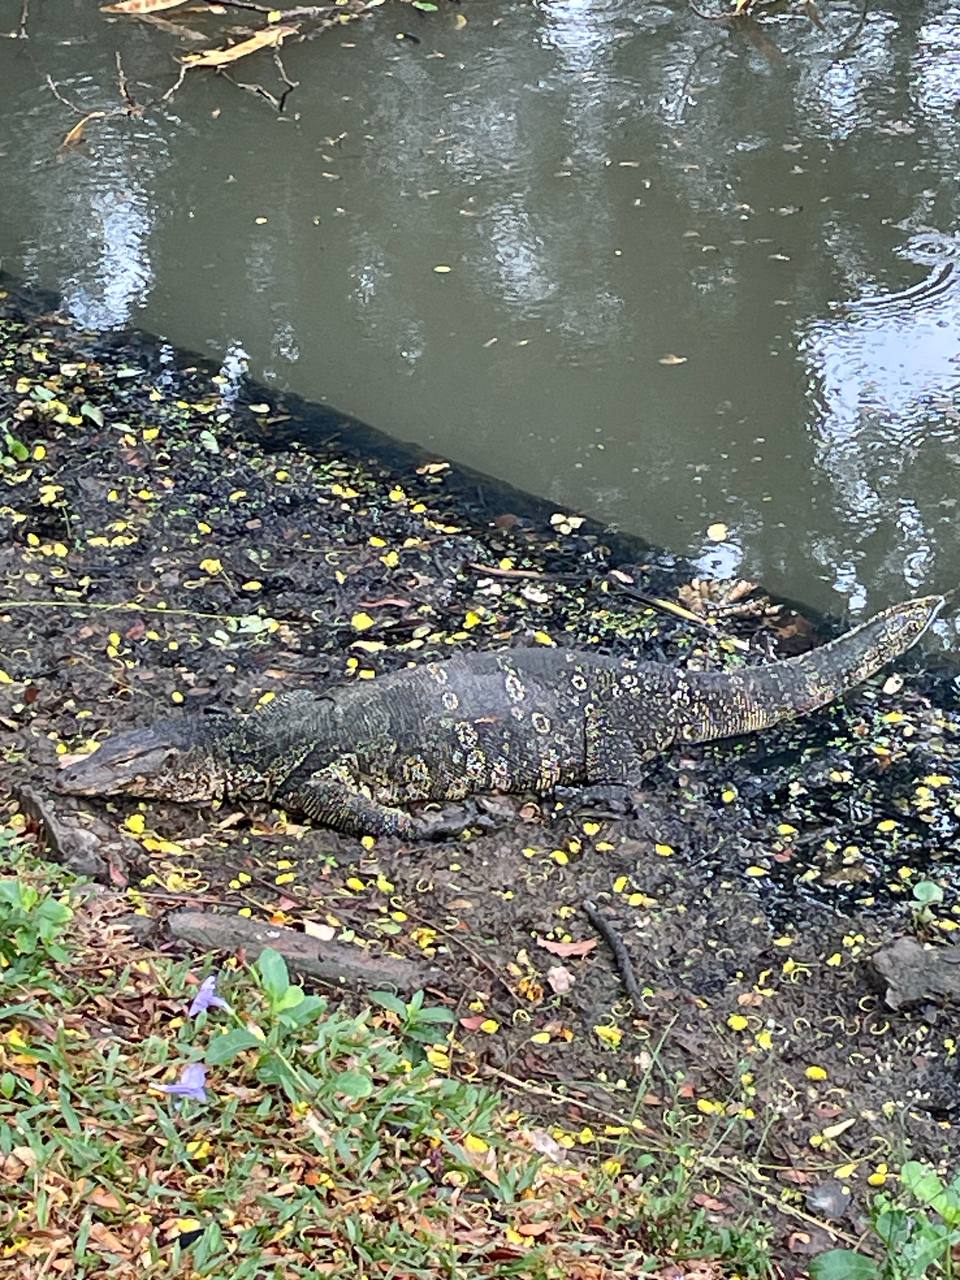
606 799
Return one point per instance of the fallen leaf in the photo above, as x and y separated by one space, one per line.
265 39
322 932
140 6
75 136
717 532
565 949
673 359
708 1202
559 979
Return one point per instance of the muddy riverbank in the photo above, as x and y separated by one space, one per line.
167 544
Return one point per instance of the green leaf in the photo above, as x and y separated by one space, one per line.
274 977
355 1084
843 1264
12 892
304 1011
425 6
288 999
230 1045
921 1181
387 1000
435 1013
91 411
927 892
16 449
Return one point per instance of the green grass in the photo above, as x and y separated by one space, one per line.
307 1140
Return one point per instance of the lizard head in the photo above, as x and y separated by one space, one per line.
164 760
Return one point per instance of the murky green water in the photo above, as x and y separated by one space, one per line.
613 187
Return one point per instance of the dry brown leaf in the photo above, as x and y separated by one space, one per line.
265 39
75 136
140 6
534 1228
564 949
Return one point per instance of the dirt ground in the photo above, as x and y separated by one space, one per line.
166 546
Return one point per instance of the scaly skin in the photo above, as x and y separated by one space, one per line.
354 757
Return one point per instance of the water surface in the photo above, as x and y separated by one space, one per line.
692 273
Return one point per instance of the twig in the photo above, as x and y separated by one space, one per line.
258 89
127 606
481 961
133 106
301 11
60 98
709 17
725 1166
496 572
166 96
24 14
282 72
621 957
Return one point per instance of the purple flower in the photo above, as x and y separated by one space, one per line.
207 998
191 1082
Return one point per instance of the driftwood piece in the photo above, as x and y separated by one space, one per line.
78 839
330 962
913 973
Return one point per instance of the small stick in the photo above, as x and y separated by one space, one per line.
126 606
621 957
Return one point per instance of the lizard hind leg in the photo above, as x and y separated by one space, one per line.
333 800
331 803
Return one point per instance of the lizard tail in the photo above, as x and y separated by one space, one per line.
725 704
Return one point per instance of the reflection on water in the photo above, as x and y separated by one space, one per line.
676 273
883 373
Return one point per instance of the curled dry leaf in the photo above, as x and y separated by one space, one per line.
265 39
559 979
672 359
75 136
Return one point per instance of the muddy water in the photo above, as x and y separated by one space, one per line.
677 273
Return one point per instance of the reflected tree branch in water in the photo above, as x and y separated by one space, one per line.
60 98
854 35
133 107
168 94
710 17
260 91
282 72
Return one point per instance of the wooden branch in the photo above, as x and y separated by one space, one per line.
334 963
